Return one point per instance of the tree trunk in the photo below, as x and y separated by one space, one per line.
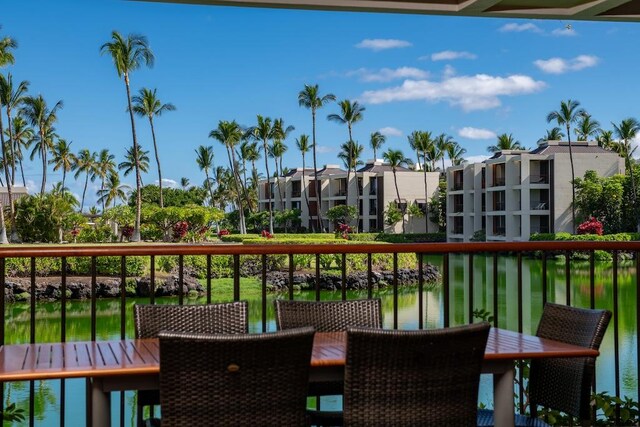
14 233
426 200
43 154
136 227
266 165
573 185
24 182
278 172
395 181
236 179
3 227
84 191
306 196
315 173
155 149
13 151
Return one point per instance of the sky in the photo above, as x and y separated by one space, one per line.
472 78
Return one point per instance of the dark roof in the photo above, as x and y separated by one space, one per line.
575 147
372 168
330 171
298 173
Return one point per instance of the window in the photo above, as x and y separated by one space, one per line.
296 188
457 180
458 205
458 225
373 225
372 186
295 205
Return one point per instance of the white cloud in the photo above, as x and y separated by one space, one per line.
323 149
476 133
382 44
388 74
564 32
390 131
32 187
560 65
448 71
448 55
479 92
167 183
519 28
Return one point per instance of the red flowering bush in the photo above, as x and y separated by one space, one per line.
266 234
126 231
223 232
343 230
180 229
591 226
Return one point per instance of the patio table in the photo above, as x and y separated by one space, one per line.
134 365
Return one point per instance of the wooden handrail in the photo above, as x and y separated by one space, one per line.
100 250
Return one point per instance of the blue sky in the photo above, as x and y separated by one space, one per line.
469 77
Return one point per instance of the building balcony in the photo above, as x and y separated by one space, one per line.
538 179
498 181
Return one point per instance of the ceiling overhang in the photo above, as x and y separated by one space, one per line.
591 10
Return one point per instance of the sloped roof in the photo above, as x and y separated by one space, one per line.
575 148
373 168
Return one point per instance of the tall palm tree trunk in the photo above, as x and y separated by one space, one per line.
239 193
266 166
304 189
43 155
12 145
155 149
395 181
84 191
136 228
101 190
206 174
573 185
3 227
278 172
14 233
64 176
315 174
24 182
426 198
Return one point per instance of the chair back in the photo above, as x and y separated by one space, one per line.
416 378
226 318
235 380
328 316
565 384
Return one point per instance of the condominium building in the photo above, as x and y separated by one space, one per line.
371 189
517 193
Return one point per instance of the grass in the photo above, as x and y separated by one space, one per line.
249 287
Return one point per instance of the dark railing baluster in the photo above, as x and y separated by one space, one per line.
93 298
395 290
63 329
123 297
180 279
496 307
292 267
637 255
592 279
470 290
520 328
32 339
208 278
343 268
616 338
420 291
236 277
544 278
263 295
2 321
152 281
567 276
369 277
445 289
317 277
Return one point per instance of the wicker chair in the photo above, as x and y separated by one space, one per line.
562 384
235 380
328 316
416 378
226 318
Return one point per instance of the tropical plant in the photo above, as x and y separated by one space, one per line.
85 164
43 217
455 152
311 99
63 158
567 115
342 214
554 134
147 104
505 142
263 132
128 54
423 144
104 166
23 136
303 145
350 113
607 141
586 127
11 97
396 159
130 161
7 44
626 131
376 141
113 191
184 183
204 159
442 144
278 148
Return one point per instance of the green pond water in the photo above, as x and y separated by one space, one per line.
48 397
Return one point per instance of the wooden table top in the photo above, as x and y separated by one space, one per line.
24 362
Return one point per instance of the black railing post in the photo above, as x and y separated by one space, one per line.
343 270
369 276
616 338
496 307
208 278
567 276
180 279
470 290
263 293
152 280
395 290
445 289
292 266
420 291
236 276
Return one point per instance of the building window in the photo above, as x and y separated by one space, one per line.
457 180
373 210
483 202
499 201
295 205
313 208
312 188
360 210
373 225
458 205
296 188
499 227
498 175
342 187
402 205
360 184
422 205
458 225
372 186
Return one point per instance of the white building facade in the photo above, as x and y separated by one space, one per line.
517 193
370 189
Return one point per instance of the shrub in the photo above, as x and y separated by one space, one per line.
180 229
591 226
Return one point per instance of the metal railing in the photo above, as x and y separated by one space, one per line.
493 251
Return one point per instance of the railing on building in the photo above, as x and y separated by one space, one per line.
538 179
296 193
457 185
493 250
498 181
498 206
539 205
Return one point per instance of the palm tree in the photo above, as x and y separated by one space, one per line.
554 134
607 141
626 131
63 158
128 55
263 131
350 153
204 159
230 134
105 166
11 97
113 191
396 159
568 114
455 152
36 111
23 136
442 144
131 161
184 183
423 142
350 113
376 141
147 104
586 127
303 145
7 44
311 99
280 133
505 142
85 163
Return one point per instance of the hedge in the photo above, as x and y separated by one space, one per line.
620 237
331 238
107 266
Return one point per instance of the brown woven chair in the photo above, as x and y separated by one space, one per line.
414 378
235 380
328 316
225 318
562 384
